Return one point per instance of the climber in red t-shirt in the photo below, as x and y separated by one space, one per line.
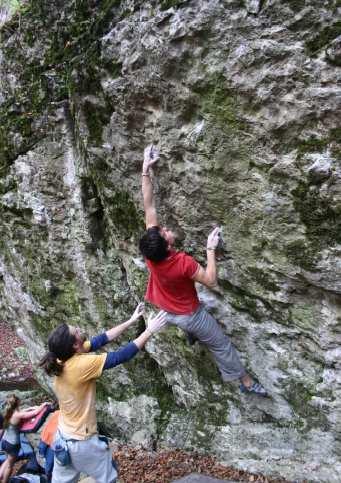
171 286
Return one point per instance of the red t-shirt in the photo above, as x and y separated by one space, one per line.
170 285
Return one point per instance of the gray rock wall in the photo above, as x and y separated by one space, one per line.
244 100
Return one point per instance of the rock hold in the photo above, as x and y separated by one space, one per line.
320 170
253 6
333 51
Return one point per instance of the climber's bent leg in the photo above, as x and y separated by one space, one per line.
206 329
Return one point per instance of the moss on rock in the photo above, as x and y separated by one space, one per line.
323 38
221 104
71 44
300 395
166 4
128 220
304 316
323 224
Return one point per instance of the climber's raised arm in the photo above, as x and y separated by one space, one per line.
208 276
151 155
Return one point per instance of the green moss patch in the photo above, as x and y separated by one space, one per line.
302 253
221 104
242 300
304 316
96 117
126 218
299 396
323 38
71 44
323 224
166 4
311 145
295 5
263 279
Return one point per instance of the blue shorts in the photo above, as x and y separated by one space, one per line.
9 448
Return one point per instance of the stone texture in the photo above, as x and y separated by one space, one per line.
333 51
243 99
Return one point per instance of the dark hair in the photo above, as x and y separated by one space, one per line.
61 348
153 246
11 404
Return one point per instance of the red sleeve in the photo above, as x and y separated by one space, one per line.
189 266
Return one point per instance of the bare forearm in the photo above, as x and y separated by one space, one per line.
147 190
148 199
211 268
115 332
142 339
31 412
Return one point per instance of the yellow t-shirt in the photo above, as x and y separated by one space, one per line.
75 389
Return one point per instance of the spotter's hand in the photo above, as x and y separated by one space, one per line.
138 312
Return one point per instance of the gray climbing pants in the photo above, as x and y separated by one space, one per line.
207 330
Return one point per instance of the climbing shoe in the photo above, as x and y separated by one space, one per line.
255 388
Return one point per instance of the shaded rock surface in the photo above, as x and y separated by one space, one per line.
243 99
333 52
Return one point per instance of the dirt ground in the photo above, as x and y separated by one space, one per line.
139 466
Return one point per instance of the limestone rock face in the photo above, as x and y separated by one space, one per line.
243 99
